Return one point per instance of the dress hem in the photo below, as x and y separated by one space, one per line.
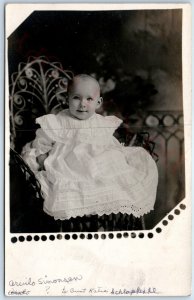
63 215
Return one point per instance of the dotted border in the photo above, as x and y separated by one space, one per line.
103 236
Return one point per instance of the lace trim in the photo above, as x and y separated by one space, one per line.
102 209
64 120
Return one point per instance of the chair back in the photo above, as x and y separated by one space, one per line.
38 87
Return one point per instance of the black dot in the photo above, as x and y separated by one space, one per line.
52 237
119 235
59 236
96 236
111 235
43 238
74 236
82 236
150 235
177 212
21 238
29 238
125 234
89 236
36 238
165 222
158 229
170 217
141 235
103 236
14 239
182 206
133 235
67 236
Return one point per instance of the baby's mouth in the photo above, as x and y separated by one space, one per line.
82 111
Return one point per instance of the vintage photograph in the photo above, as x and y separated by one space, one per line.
96 120
98 149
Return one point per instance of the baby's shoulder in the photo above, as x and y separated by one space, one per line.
51 121
109 121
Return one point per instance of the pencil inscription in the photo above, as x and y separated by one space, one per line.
26 287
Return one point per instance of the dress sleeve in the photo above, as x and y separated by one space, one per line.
40 145
113 121
52 127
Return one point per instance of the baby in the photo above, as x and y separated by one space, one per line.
81 166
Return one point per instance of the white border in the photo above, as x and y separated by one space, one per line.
175 240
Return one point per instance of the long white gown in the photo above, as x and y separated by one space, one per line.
87 170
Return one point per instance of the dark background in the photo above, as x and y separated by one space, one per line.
136 56
128 40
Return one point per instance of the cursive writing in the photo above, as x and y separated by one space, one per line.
44 281
67 286
47 281
136 291
97 290
26 282
14 292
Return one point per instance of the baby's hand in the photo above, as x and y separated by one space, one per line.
40 160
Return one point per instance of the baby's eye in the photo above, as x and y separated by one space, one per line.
76 97
89 98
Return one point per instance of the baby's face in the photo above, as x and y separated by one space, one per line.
84 98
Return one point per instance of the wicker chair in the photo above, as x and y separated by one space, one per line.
39 87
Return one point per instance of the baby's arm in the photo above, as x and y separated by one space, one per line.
43 145
37 151
40 160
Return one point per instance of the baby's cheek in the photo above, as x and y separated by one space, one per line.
88 105
91 105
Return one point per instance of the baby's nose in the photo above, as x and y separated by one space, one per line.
83 102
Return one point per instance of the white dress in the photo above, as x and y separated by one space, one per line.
87 170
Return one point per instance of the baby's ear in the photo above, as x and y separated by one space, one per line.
99 102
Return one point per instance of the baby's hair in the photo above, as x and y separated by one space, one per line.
84 77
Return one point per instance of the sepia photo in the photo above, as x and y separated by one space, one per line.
81 179
97 149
